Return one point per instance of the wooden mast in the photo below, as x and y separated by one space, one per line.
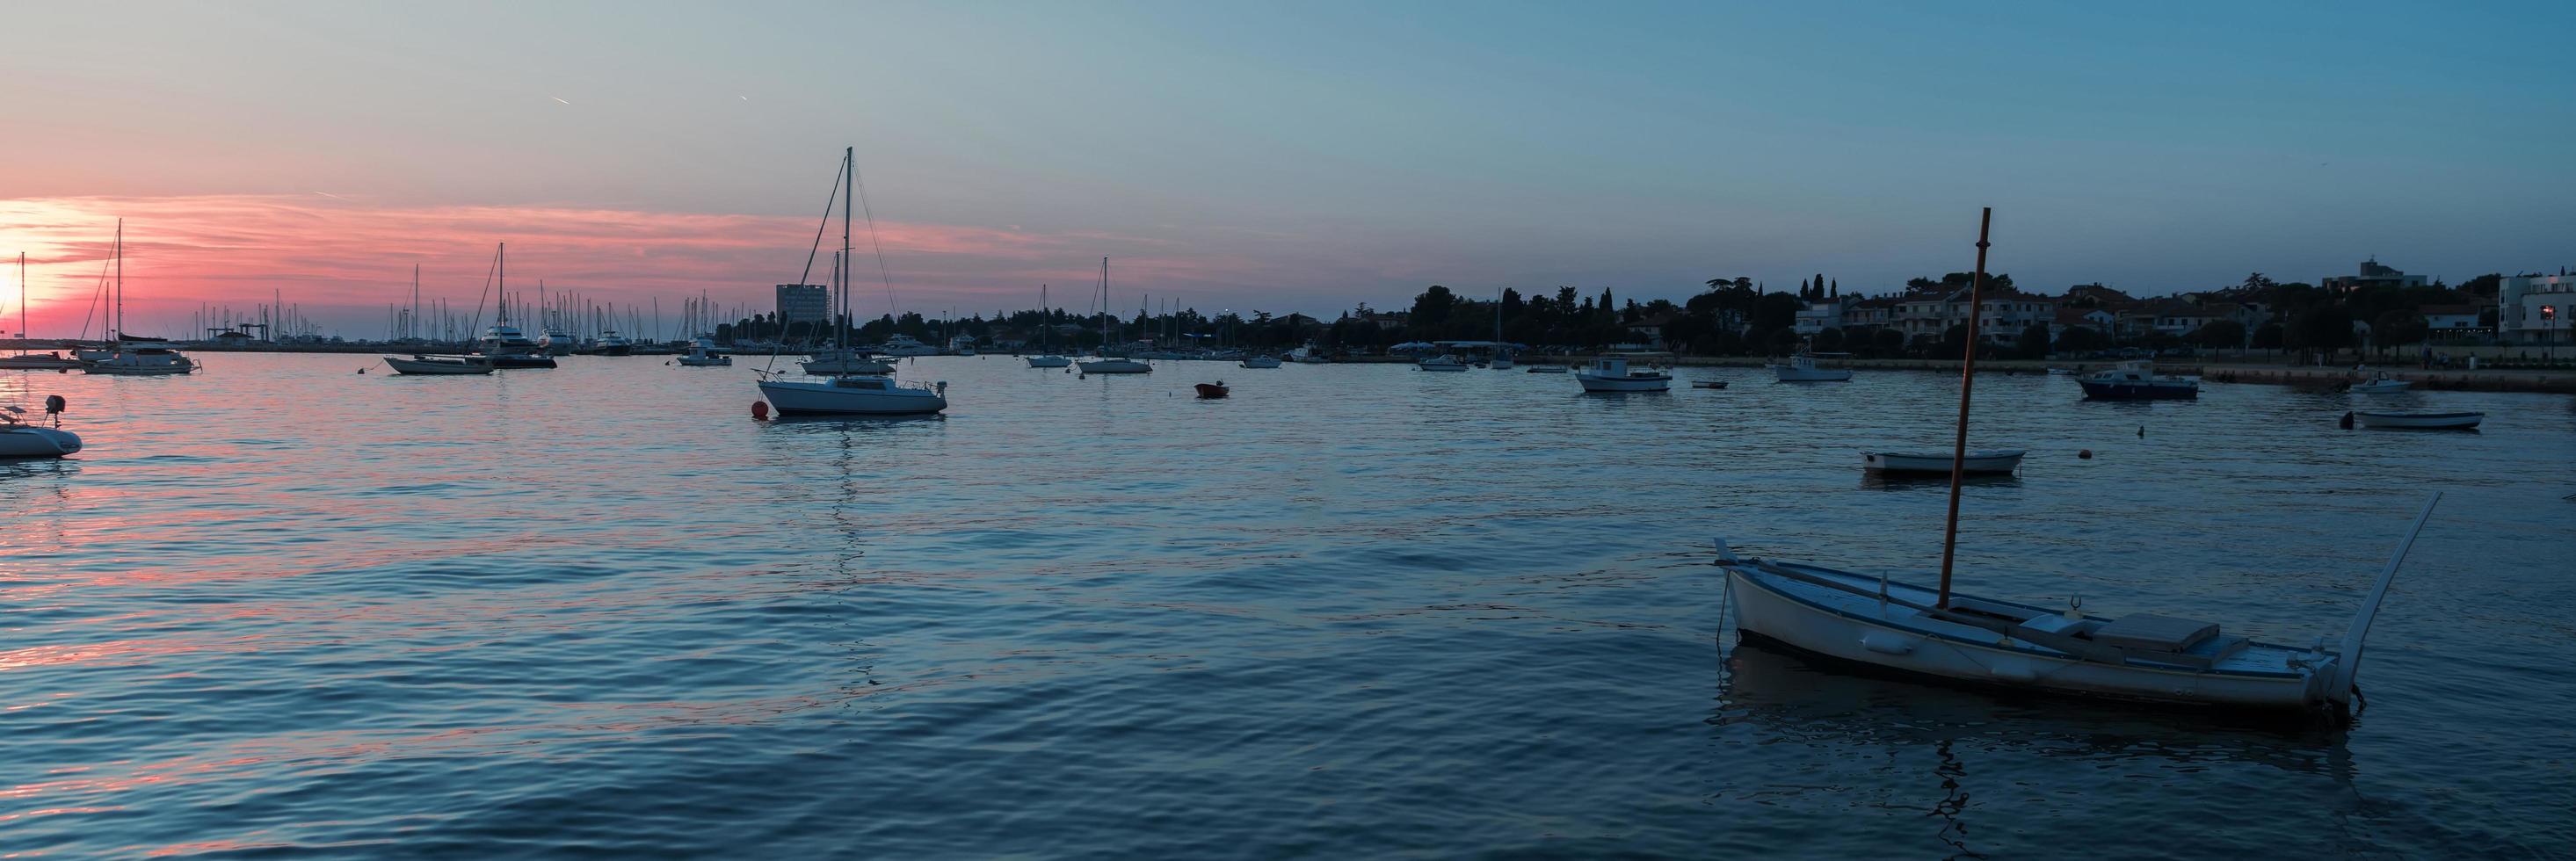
1967 383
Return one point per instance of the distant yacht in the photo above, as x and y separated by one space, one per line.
702 354
1802 368
555 342
502 344
1046 336
906 345
612 344
1105 363
135 356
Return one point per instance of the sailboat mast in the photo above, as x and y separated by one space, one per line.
1967 383
120 279
849 189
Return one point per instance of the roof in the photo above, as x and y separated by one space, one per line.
2077 316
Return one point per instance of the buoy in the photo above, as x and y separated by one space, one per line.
2086 454
760 410
2142 431
2346 421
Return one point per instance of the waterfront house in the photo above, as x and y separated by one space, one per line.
2452 321
2531 309
2002 317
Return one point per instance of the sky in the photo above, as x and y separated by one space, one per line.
1280 157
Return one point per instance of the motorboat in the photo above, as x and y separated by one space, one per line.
840 361
1443 362
2380 384
2137 381
1612 374
962 345
143 359
854 394
556 342
2002 461
702 354
1545 369
431 366
1213 390
38 362
610 343
1049 361
1804 368
906 346
2413 420
18 439
1260 362
1708 384
1307 355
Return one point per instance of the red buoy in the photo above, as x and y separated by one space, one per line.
760 410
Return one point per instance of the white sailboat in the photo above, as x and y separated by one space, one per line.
1105 363
1046 336
135 356
1935 633
29 360
850 393
842 357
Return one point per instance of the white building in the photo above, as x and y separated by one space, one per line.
2532 308
2002 319
1824 314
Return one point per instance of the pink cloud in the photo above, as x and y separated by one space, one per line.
343 260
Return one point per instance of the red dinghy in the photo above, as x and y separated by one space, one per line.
1213 390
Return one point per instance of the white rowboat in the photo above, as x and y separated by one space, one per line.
2416 421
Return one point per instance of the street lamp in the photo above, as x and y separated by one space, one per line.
2548 334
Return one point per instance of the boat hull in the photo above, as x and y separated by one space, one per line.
1439 366
27 441
1787 374
1260 362
432 367
2129 391
1209 390
792 398
1764 607
1116 366
2418 421
38 363
1624 384
1050 362
828 367
1976 463
2381 387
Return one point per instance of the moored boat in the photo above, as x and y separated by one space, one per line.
1929 463
2380 384
1805 368
421 365
1443 362
1260 362
2414 420
20 440
1612 374
1213 390
38 362
2137 381
702 354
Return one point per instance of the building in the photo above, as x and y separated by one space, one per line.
2532 309
2453 320
803 303
2178 318
2096 319
1823 314
2372 275
2002 319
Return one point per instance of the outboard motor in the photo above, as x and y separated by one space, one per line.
2346 421
54 409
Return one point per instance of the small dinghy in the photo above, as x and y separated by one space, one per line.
2413 420
1708 384
1546 369
1927 463
1213 390
19 440
420 365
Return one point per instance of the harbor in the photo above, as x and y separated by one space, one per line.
611 564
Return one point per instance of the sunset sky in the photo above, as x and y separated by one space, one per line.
1281 157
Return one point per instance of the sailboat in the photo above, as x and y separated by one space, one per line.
1046 335
29 360
135 356
1502 351
1108 364
504 346
850 394
1934 633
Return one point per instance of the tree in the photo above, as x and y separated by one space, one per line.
2324 327
1888 341
2398 328
1431 308
2220 335
2257 283
2033 343
2267 336
2483 285
1829 340
2081 339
